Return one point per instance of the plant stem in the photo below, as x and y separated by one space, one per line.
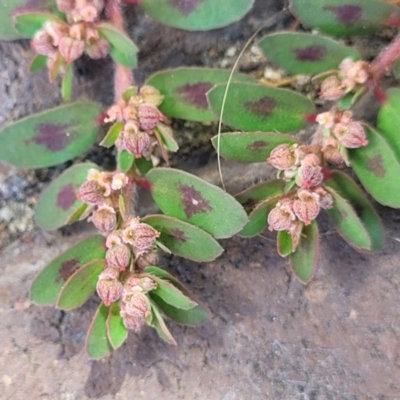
386 59
123 75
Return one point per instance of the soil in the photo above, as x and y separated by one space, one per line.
269 337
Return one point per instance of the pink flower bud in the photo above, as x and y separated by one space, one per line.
91 193
351 135
357 71
113 239
65 6
138 143
88 13
42 43
147 284
331 89
114 113
149 117
281 217
306 206
147 259
98 49
151 95
118 256
136 303
140 236
119 180
310 173
132 322
104 218
283 157
109 289
331 151
325 199
326 119
71 49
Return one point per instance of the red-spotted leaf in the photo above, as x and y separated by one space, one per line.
158 324
345 17
249 146
80 285
256 107
97 343
196 15
258 218
378 168
184 239
58 202
122 49
304 260
284 243
116 330
353 215
51 137
185 89
47 285
305 53
8 9
389 120
189 198
250 197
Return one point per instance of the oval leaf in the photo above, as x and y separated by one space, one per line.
249 146
51 137
183 239
255 107
51 279
353 215
187 197
284 243
389 120
305 53
344 17
27 24
377 168
80 285
67 82
250 197
116 330
185 89
38 63
125 161
58 202
304 260
97 344
196 15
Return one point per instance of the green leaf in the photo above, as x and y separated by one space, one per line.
396 69
304 260
183 239
344 17
51 137
28 24
67 81
378 168
284 243
143 165
353 215
187 197
47 285
122 49
185 89
258 218
116 330
97 344
159 325
172 295
58 202
250 197
125 161
78 214
305 53
197 15
80 285
256 107
249 146
132 91
38 63
112 134
389 120
167 138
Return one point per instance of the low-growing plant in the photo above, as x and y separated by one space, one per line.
121 263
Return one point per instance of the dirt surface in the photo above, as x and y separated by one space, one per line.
269 336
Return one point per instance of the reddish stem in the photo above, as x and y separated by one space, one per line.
386 59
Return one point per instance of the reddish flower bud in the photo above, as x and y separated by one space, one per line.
331 151
149 117
151 95
331 89
306 206
147 259
89 13
113 239
104 218
138 143
71 49
108 288
310 172
136 303
351 135
91 193
325 199
281 217
42 43
118 256
140 236
98 49
283 157
132 322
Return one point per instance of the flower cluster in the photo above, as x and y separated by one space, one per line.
63 42
140 117
337 132
351 75
300 164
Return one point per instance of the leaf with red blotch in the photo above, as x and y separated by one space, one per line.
196 15
256 107
48 284
185 89
50 137
58 202
305 53
345 17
